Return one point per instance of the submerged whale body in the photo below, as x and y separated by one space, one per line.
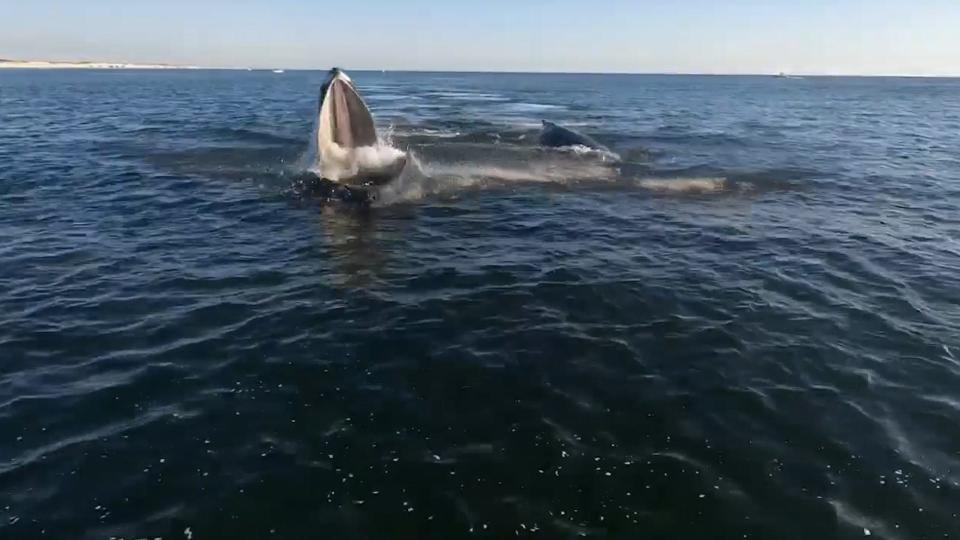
348 147
555 136
324 190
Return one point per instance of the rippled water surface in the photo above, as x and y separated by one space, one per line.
748 328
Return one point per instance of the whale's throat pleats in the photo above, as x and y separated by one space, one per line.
344 117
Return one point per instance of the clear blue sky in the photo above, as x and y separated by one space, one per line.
919 37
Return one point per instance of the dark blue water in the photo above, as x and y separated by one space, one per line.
749 328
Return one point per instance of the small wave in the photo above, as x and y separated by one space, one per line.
533 107
239 134
853 520
684 134
467 96
392 97
430 133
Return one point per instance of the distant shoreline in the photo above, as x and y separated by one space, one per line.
43 64
47 64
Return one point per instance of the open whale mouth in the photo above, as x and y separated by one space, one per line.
349 149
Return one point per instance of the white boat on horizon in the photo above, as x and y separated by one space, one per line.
278 71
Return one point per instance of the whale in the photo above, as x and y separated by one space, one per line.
556 136
348 148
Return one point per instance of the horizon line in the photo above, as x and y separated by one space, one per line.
788 75
168 66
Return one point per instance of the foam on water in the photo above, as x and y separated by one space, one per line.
420 179
684 185
602 153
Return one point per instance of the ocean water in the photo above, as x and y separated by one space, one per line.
748 327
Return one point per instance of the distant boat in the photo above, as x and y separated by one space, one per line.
278 71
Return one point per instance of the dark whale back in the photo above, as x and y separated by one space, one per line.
555 136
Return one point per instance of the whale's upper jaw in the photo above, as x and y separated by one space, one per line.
338 74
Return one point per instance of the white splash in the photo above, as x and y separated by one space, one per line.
341 163
602 153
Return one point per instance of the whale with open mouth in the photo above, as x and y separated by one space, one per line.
349 151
